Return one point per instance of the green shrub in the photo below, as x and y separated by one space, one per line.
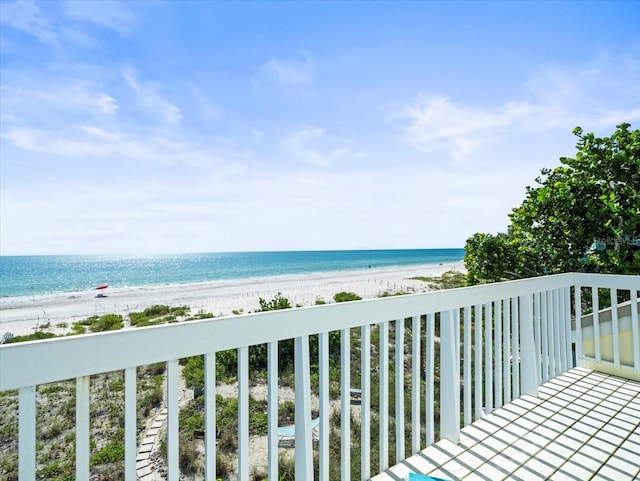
346 297
36 336
111 453
108 322
275 304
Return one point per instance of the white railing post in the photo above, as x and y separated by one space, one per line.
578 310
243 413
82 428
467 365
130 431
615 327
323 457
210 415
528 365
429 379
304 446
345 404
384 395
515 349
497 339
272 406
567 326
27 433
562 339
596 323
365 402
477 384
399 384
634 329
449 380
506 350
173 410
415 384
537 329
488 358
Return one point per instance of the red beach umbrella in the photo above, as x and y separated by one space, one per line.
103 286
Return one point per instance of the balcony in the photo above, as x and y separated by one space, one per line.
527 379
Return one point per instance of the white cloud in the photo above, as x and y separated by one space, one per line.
313 146
291 72
435 123
113 15
36 98
92 142
26 16
598 95
150 99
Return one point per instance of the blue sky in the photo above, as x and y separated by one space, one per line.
164 127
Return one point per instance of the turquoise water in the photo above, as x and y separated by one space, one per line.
29 275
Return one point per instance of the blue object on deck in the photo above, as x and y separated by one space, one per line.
423 477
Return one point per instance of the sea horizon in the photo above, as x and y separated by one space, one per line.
27 275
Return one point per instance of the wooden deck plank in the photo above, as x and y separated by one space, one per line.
583 425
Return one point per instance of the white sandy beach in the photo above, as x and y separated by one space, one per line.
21 315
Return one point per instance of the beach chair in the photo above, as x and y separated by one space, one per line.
287 434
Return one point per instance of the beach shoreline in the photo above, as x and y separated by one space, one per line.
21 315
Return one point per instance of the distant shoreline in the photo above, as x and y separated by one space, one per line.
38 275
21 314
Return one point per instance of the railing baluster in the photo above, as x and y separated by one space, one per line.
567 326
488 358
634 329
429 379
415 384
562 332
272 405
544 337
27 433
498 354
82 428
467 366
323 456
365 402
536 331
243 413
615 327
173 435
399 385
477 362
449 380
515 352
345 404
210 416
529 367
506 350
578 310
384 395
596 323
303 436
551 334
130 431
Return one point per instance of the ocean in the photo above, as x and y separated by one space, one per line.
32 275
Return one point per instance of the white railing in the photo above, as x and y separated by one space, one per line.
607 339
503 340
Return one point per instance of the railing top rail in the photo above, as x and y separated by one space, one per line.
608 281
39 362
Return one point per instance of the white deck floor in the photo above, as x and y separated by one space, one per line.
584 425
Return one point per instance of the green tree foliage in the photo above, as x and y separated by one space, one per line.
582 216
490 257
